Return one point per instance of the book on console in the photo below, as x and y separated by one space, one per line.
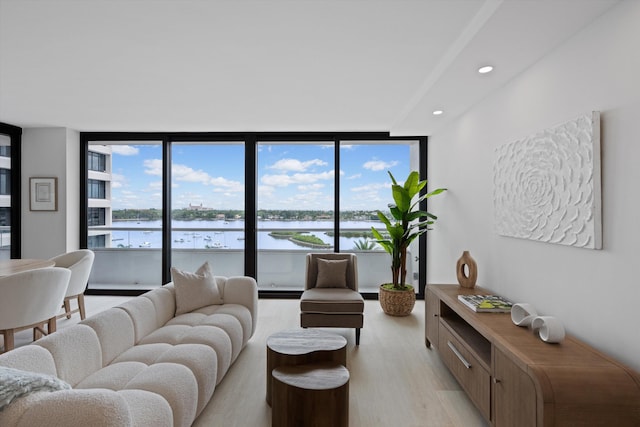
486 303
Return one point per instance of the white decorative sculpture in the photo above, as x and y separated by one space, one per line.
547 186
522 314
548 328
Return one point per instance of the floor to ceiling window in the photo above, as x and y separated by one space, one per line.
248 203
365 187
296 201
124 213
5 197
10 190
207 206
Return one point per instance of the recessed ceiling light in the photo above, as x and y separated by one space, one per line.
486 69
437 112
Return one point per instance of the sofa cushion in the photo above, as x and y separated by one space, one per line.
143 314
69 408
114 377
29 358
147 408
195 290
15 383
238 311
200 359
212 336
114 329
332 273
164 301
174 382
76 351
231 326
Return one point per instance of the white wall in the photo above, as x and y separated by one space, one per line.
51 152
595 293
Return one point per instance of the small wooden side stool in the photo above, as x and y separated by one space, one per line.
310 395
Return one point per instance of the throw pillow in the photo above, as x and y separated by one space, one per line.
332 273
15 383
195 290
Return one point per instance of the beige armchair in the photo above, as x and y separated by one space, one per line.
80 263
331 298
29 300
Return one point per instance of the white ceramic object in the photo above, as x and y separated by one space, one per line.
522 314
548 328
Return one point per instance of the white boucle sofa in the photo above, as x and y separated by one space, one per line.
136 364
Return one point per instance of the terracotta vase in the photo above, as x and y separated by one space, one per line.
467 279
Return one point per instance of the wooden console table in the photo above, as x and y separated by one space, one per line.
516 379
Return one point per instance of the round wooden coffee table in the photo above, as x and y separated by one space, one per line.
311 395
300 347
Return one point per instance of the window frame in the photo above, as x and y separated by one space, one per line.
250 140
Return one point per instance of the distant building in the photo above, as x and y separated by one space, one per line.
99 194
198 208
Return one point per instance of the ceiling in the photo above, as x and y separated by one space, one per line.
271 65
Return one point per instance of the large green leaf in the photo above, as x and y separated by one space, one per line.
401 197
417 215
411 184
377 234
384 219
395 212
393 180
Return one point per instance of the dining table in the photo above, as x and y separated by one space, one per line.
12 266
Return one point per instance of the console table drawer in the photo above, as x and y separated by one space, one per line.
473 378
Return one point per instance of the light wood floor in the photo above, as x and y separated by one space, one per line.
395 379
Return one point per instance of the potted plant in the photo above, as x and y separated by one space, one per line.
406 223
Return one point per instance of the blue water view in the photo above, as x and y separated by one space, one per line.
230 234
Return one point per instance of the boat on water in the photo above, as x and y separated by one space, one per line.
215 245
144 245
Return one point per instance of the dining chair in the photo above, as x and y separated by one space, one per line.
31 300
80 263
331 298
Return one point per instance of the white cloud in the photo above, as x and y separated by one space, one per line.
153 167
187 174
309 187
283 180
124 150
355 176
227 184
379 165
266 190
371 187
295 165
280 180
118 180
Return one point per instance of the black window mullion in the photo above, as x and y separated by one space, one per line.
336 195
166 210
84 199
422 240
250 205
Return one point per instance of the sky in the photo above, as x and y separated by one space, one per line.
290 176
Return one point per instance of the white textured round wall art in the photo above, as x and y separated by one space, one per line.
547 186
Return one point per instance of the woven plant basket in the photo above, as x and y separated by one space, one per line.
397 303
